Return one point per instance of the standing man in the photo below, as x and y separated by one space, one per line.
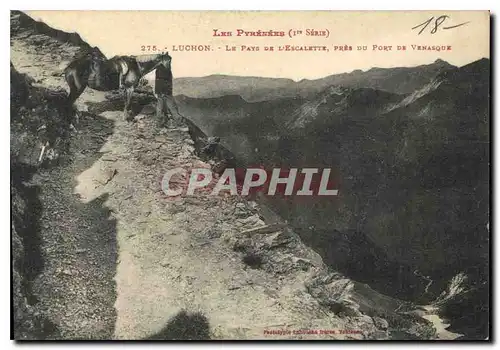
163 92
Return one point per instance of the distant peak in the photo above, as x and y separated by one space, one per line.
440 61
484 60
483 63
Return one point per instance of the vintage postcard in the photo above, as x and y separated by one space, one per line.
250 175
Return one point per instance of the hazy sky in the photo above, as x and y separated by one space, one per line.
124 32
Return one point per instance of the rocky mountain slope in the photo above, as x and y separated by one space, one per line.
100 253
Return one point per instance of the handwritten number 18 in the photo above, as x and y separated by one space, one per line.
437 23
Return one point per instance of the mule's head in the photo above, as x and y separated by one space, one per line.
165 59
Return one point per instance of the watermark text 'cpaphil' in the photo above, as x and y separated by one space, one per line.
245 182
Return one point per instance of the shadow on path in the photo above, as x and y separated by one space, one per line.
184 326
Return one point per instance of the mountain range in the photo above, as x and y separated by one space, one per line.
400 80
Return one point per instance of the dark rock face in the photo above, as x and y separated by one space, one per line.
28 321
469 310
24 315
19 88
36 117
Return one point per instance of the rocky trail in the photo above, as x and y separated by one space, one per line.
116 259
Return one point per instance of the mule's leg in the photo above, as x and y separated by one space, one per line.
128 93
121 81
76 87
73 96
75 92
